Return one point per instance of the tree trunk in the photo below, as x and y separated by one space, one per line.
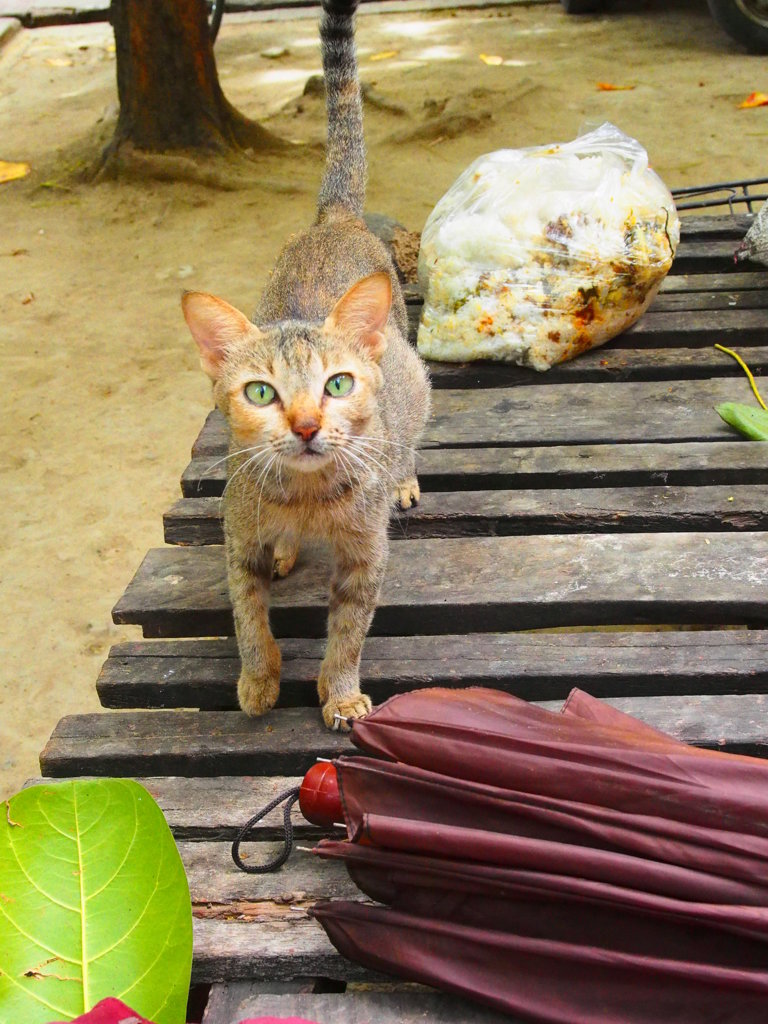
170 97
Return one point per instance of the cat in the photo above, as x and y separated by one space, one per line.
325 401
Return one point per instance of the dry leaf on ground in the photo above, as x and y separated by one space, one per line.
490 58
755 99
10 171
609 87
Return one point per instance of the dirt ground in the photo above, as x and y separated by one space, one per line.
102 393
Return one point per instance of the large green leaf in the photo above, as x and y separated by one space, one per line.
94 902
747 418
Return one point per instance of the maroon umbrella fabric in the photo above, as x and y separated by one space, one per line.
571 867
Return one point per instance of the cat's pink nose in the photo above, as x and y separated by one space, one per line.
305 429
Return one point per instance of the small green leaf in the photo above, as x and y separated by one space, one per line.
746 418
94 902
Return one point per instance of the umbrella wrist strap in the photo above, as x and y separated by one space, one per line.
290 796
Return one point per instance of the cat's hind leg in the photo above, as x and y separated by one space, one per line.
407 493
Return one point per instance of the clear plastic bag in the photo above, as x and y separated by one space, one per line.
536 255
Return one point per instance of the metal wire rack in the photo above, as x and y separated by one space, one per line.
732 194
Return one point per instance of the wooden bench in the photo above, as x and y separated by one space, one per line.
606 493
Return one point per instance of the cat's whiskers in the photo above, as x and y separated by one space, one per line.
242 451
358 492
365 450
251 462
262 481
383 440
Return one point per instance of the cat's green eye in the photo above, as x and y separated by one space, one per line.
260 393
340 385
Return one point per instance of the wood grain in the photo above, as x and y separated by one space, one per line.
480 584
203 673
195 521
597 465
562 414
409 1006
211 743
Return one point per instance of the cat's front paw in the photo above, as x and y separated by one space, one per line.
257 695
336 712
407 493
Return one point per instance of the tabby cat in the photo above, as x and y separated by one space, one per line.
325 401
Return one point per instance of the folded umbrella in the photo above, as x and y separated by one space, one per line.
573 868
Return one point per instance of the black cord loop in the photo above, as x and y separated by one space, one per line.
290 796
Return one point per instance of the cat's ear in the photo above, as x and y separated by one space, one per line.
215 325
360 315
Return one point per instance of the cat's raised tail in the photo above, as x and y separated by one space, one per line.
343 187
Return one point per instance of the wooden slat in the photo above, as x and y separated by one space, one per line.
602 465
741 280
482 584
671 302
189 743
194 521
213 810
602 365
207 743
288 945
744 326
352 1007
203 673
583 413
723 225
705 255
225 998
562 414
219 889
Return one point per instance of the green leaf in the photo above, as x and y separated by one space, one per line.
746 418
94 902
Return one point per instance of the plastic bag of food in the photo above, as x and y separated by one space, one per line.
535 255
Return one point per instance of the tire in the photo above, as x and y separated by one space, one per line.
215 14
582 6
746 21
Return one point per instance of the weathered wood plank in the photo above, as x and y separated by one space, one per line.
213 810
602 365
190 744
672 302
583 413
195 521
483 584
207 743
717 326
704 255
289 945
561 414
732 279
676 329
603 465
203 673
219 889
723 225
351 1007
224 999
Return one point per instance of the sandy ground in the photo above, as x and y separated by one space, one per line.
102 394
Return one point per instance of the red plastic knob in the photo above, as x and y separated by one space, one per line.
319 797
